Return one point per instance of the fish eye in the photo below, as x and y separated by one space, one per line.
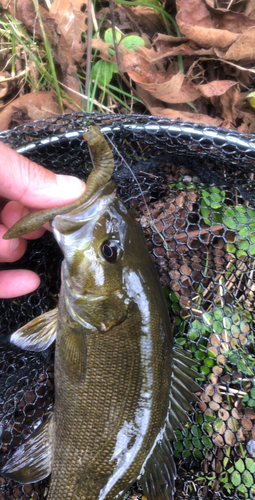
110 250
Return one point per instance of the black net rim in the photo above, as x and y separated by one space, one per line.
218 136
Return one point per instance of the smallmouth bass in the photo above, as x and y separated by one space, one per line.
121 387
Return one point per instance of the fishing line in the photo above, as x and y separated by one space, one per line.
141 192
132 173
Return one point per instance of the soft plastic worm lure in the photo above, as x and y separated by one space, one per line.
104 165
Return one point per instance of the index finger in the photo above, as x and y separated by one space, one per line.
32 185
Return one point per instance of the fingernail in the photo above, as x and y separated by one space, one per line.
70 186
14 244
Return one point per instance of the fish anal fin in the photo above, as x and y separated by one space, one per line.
38 334
31 462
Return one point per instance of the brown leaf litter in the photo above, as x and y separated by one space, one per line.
29 107
208 83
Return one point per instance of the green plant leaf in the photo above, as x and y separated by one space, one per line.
250 464
229 212
198 454
210 418
240 209
233 357
174 297
218 314
243 490
207 442
194 335
209 362
103 71
243 230
108 36
228 487
251 213
211 354
241 365
236 478
248 479
230 223
243 244
199 355
227 323
196 431
207 427
186 453
132 41
217 327
241 218
239 465
178 445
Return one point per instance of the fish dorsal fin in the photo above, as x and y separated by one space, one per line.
159 471
31 462
38 334
183 388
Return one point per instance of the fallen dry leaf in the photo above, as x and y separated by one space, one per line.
225 104
70 17
97 43
6 84
216 88
243 48
186 116
245 114
161 85
148 18
24 11
175 89
66 42
236 22
146 96
29 107
163 51
195 22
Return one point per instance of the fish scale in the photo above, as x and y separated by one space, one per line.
95 413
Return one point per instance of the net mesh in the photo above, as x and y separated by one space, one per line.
197 211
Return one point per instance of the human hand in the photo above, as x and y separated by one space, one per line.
30 188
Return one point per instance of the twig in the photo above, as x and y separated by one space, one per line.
88 50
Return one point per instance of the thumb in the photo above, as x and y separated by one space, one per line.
32 185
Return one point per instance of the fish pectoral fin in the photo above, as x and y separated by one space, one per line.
38 334
158 477
31 462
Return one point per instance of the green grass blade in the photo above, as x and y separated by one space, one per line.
49 55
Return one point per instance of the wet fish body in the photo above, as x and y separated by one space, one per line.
121 388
